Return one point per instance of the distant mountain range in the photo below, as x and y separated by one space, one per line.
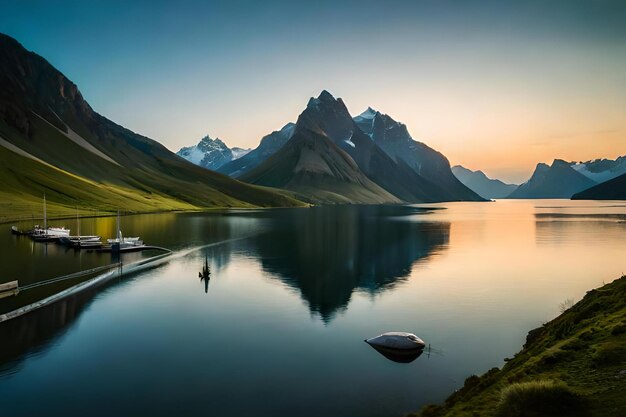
211 153
329 157
394 138
484 186
52 141
564 179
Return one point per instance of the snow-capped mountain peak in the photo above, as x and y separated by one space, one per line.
601 170
211 153
368 114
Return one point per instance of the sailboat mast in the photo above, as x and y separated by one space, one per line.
45 216
117 236
78 224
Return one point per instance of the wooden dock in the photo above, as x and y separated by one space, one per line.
9 289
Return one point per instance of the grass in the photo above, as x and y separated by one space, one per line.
577 360
77 178
539 398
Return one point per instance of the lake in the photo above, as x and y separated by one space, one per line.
279 327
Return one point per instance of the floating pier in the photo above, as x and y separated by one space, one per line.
115 271
9 289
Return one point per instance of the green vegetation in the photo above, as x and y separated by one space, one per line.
574 365
539 398
73 177
52 141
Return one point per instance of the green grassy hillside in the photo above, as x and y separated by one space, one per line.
89 161
574 365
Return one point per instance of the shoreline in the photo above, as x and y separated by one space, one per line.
9 220
574 365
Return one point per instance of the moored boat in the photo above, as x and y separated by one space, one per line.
48 234
122 243
18 232
81 241
397 343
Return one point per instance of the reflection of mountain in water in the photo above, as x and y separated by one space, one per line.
327 253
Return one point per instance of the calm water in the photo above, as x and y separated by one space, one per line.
279 329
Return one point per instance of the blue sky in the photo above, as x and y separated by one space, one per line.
497 85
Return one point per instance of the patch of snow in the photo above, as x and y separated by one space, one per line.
239 152
192 154
349 140
368 114
598 177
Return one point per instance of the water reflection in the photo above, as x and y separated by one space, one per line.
33 332
331 252
205 274
399 357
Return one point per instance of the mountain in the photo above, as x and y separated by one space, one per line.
601 170
268 146
613 189
483 185
311 165
52 141
211 153
394 138
559 180
328 117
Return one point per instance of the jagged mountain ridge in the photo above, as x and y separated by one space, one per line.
319 171
328 118
394 138
601 170
558 180
211 153
483 185
564 179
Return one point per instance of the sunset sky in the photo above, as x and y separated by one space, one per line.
497 86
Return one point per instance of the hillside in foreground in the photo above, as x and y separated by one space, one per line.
575 365
52 141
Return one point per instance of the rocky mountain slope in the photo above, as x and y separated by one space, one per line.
394 138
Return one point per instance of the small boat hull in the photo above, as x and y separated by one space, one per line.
398 346
397 342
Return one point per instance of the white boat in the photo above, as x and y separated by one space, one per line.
86 241
125 242
122 243
81 241
48 233
56 232
397 342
